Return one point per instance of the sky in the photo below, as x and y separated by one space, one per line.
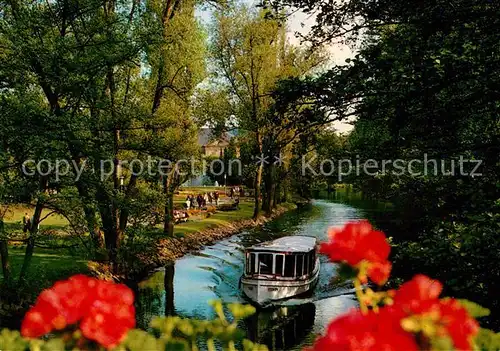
302 23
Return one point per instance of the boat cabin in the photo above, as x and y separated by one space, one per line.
290 258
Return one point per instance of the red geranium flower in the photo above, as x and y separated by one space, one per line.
370 332
105 310
457 322
418 295
359 242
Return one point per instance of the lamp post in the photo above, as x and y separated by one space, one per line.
122 187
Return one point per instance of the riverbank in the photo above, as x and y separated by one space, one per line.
173 248
166 250
52 261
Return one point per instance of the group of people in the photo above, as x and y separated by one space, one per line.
202 200
180 216
236 191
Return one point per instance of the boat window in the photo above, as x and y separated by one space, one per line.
313 260
247 262
265 263
278 270
307 263
289 265
251 264
300 265
310 266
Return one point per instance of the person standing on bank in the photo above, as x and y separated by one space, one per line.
26 223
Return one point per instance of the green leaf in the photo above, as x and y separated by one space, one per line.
140 340
12 341
474 309
487 340
54 345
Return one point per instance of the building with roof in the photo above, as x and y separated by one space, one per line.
211 145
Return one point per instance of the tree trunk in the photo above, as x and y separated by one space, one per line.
168 186
4 255
258 180
89 211
110 222
124 213
257 185
93 228
277 194
4 251
270 186
169 223
30 248
110 229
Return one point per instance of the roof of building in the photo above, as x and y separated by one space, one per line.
296 243
206 136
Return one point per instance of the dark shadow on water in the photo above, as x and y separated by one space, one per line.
281 328
169 290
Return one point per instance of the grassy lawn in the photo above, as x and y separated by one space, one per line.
52 264
218 219
16 213
47 266
195 190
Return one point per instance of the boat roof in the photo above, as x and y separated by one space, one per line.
296 243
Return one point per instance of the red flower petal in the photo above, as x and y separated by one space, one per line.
105 310
355 242
461 327
372 332
379 272
419 294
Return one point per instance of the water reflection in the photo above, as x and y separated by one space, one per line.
281 328
169 290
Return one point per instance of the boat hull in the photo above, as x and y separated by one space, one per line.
264 291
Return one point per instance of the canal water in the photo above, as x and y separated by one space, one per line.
213 273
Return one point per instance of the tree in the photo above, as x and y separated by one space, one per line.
251 54
97 84
421 86
177 63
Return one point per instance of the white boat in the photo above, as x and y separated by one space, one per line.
280 269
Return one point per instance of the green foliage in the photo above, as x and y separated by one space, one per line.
170 333
252 57
487 340
176 331
120 90
12 340
422 88
346 272
474 309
